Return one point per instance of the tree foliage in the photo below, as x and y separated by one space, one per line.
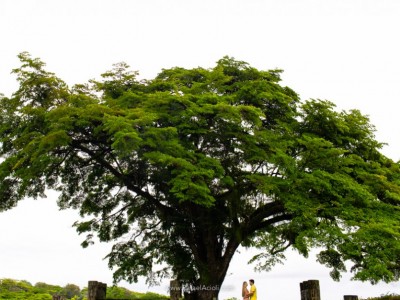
180 170
21 289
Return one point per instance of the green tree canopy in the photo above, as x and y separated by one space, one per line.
180 170
71 290
22 289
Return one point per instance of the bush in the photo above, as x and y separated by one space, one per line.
386 297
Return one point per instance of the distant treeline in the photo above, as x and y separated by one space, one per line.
22 289
386 297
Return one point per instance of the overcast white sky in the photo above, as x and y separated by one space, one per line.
346 51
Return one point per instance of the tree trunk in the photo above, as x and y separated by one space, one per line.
202 292
210 282
209 293
175 288
212 269
212 258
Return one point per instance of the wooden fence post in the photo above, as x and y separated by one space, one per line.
350 297
310 290
97 290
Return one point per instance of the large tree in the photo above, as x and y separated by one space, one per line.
181 170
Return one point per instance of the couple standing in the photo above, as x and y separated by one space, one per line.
249 295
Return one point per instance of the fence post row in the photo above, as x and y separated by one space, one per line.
309 290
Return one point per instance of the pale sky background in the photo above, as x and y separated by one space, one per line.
346 51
